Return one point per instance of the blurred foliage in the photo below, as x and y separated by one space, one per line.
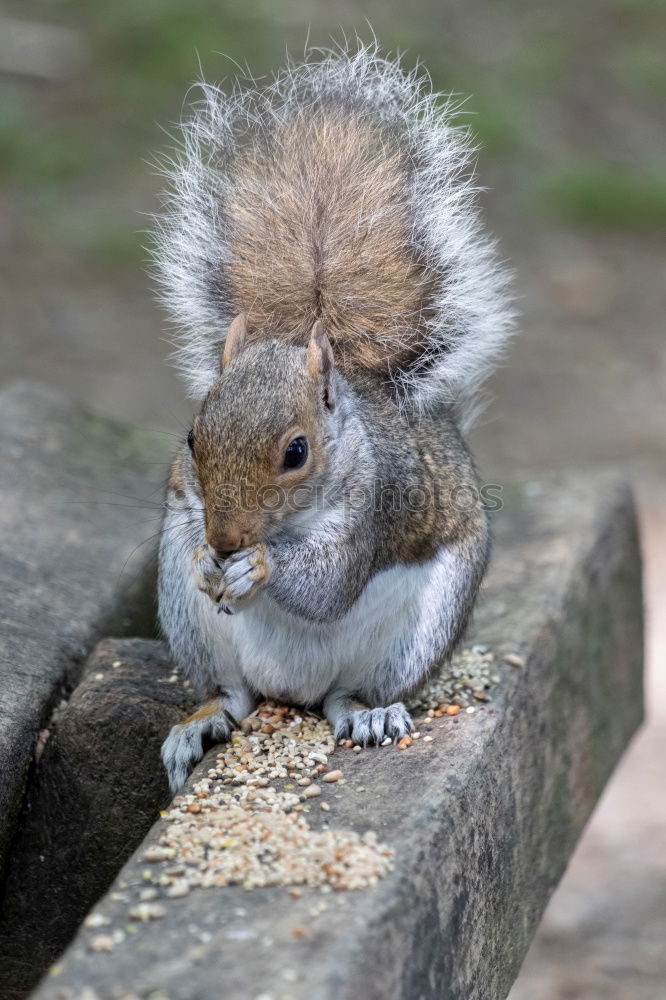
613 196
38 155
74 152
643 68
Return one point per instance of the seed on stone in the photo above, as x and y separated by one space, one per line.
514 660
427 739
252 833
333 776
102 942
405 742
386 742
453 709
96 920
325 806
157 853
147 911
298 931
178 889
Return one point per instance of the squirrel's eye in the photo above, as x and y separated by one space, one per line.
296 453
190 440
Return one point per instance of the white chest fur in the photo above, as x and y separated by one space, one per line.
286 657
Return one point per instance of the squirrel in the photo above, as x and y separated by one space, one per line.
339 306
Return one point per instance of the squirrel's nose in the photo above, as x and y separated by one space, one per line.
224 544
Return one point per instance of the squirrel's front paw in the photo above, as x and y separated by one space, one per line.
208 575
184 746
245 572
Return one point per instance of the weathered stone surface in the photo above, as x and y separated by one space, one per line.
482 819
70 518
94 794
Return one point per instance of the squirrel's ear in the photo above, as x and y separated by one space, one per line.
235 342
320 361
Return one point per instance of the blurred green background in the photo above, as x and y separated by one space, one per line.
545 83
567 101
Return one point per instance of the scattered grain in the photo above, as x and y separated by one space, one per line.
471 670
245 824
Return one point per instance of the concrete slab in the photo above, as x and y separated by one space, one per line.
482 819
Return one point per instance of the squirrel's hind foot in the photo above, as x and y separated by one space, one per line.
366 726
188 741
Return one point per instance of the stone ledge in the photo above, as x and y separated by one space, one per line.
482 820
65 579
94 794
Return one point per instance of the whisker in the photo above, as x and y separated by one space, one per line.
192 526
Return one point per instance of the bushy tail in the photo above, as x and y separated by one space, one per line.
341 192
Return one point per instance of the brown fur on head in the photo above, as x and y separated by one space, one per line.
268 394
319 228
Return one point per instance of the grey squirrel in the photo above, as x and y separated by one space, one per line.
339 307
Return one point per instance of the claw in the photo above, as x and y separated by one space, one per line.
367 726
